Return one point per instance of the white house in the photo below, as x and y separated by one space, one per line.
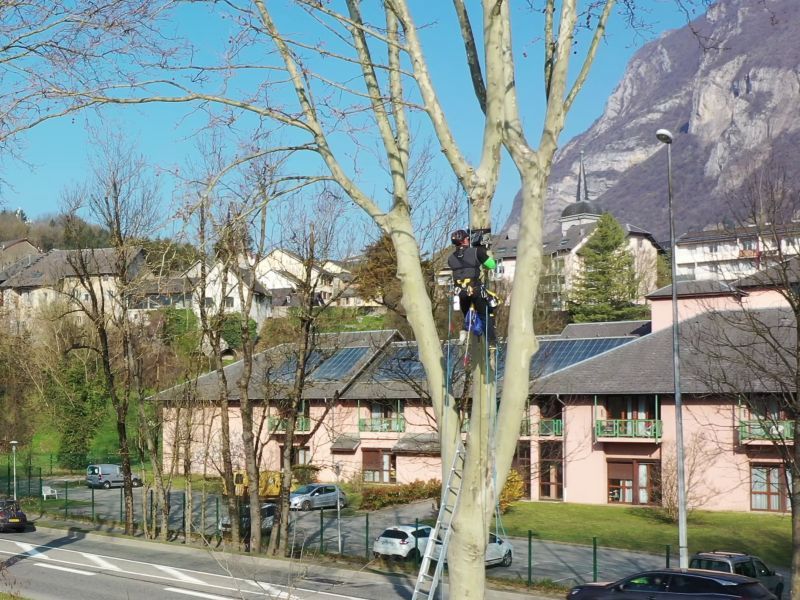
727 254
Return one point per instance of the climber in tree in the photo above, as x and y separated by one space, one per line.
466 262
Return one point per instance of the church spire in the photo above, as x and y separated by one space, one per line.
582 191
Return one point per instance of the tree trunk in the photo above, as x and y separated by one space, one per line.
472 520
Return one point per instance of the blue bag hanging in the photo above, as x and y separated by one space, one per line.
473 322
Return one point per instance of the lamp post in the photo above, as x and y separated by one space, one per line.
14 468
665 137
337 469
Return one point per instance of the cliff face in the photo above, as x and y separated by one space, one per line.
727 86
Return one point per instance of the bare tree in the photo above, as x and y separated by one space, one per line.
123 200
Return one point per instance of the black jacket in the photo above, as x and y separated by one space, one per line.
466 262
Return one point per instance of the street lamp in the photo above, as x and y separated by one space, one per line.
14 455
337 469
665 137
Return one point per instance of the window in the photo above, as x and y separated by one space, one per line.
768 488
378 466
749 244
686 584
652 582
229 302
208 302
634 482
745 568
713 248
301 455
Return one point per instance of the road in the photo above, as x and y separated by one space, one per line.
50 564
565 564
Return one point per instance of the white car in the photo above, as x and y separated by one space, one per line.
498 552
403 541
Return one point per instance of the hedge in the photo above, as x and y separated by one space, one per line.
380 496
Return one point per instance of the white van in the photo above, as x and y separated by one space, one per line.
107 476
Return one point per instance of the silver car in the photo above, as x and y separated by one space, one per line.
108 476
317 495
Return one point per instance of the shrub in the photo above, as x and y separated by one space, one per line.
513 490
380 496
304 474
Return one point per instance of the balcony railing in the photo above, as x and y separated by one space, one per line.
628 428
277 424
383 424
549 428
764 430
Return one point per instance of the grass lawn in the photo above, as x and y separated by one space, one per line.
766 535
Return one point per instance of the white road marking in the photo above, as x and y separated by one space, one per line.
31 550
260 585
195 594
101 562
67 569
180 575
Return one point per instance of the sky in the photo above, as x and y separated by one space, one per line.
57 156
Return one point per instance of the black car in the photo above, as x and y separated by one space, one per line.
675 584
267 520
11 516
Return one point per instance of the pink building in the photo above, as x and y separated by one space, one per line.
600 425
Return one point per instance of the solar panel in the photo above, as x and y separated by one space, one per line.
402 362
287 370
554 355
339 364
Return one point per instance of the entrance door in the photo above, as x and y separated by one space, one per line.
551 471
522 464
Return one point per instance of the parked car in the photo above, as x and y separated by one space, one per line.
108 476
317 495
743 564
267 520
11 516
675 584
403 541
498 552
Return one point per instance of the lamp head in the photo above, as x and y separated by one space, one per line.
664 136
14 442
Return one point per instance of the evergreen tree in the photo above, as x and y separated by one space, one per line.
607 285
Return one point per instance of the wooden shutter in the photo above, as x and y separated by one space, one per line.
620 470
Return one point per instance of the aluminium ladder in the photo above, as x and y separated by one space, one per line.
426 583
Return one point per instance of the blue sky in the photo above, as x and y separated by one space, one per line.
59 152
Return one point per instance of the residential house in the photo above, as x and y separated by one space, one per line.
731 253
33 284
14 251
283 272
228 287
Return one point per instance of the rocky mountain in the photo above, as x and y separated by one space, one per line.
728 87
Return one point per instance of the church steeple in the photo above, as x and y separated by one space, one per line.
583 190
583 210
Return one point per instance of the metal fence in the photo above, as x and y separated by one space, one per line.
318 531
30 464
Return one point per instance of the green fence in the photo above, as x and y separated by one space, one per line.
49 463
